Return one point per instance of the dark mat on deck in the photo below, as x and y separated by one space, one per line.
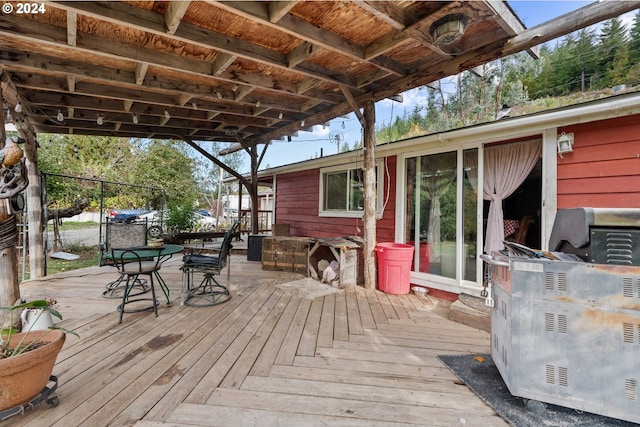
480 374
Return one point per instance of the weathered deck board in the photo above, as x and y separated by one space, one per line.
325 332
309 338
348 408
367 393
265 357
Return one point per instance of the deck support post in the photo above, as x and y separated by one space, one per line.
370 193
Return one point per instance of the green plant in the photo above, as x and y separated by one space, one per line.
180 217
9 349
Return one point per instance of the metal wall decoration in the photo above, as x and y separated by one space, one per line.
13 179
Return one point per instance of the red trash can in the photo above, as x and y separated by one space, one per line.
394 267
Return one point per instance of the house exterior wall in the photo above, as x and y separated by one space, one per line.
297 204
604 169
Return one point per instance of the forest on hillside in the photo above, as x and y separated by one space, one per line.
583 65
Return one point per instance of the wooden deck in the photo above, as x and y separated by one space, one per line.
265 358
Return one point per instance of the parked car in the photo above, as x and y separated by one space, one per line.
154 224
204 222
126 215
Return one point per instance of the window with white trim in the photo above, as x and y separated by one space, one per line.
342 191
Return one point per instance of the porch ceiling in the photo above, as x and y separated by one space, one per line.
156 69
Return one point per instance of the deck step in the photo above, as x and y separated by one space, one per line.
257 408
471 311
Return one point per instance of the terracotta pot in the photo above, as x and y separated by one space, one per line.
23 377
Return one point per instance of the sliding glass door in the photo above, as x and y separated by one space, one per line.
441 212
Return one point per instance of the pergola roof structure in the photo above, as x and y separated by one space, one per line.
243 71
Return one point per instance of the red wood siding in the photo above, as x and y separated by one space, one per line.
297 204
604 168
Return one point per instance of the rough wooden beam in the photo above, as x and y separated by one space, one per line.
141 72
300 28
353 104
568 23
148 57
174 15
72 24
509 23
121 13
278 9
221 63
386 11
301 53
71 83
183 99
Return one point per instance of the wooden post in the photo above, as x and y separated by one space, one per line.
34 208
9 280
370 193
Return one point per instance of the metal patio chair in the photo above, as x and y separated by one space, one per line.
209 291
131 266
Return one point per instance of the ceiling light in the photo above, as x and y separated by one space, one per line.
166 114
230 130
18 107
135 119
60 116
448 29
99 120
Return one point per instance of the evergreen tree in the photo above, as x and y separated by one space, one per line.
634 41
612 38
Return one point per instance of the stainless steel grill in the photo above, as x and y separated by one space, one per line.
566 331
599 235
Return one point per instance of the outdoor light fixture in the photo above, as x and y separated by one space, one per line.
257 104
448 29
302 123
100 120
18 107
230 130
166 114
280 116
194 105
60 116
134 118
218 95
565 143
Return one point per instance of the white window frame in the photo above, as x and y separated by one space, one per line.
347 213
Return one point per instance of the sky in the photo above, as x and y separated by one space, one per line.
321 141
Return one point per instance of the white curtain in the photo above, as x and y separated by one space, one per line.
505 168
435 186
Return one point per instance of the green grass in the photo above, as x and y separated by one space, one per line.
89 256
74 225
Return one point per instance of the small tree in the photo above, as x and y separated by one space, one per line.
180 217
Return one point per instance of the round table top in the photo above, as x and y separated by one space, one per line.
147 252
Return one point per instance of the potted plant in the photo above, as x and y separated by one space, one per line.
27 358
